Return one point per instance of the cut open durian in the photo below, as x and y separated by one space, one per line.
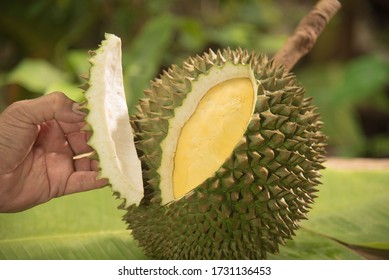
230 151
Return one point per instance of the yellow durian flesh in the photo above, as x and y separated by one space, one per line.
213 81
211 133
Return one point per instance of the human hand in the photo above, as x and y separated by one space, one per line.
38 140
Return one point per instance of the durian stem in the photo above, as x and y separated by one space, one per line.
306 33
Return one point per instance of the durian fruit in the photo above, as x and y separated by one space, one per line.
230 152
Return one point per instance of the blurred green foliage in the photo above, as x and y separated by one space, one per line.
44 47
339 88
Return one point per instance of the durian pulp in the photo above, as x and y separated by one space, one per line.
211 133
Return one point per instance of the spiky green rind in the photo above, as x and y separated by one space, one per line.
256 199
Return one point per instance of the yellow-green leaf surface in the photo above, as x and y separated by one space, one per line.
310 246
81 226
352 207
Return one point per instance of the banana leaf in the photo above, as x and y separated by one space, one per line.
350 214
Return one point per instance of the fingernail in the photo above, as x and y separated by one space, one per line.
78 109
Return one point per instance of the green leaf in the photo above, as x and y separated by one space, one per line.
70 90
353 207
81 226
36 75
310 246
104 245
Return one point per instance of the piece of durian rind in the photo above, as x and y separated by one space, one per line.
107 115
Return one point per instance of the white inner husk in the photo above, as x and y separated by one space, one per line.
112 136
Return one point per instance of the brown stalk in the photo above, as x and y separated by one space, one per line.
306 33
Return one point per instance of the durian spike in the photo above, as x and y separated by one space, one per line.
306 33
85 77
84 87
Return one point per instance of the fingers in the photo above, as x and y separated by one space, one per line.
51 139
23 121
94 165
83 181
78 142
82 164
52 106
68 128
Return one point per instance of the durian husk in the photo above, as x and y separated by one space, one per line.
108 122
255 200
